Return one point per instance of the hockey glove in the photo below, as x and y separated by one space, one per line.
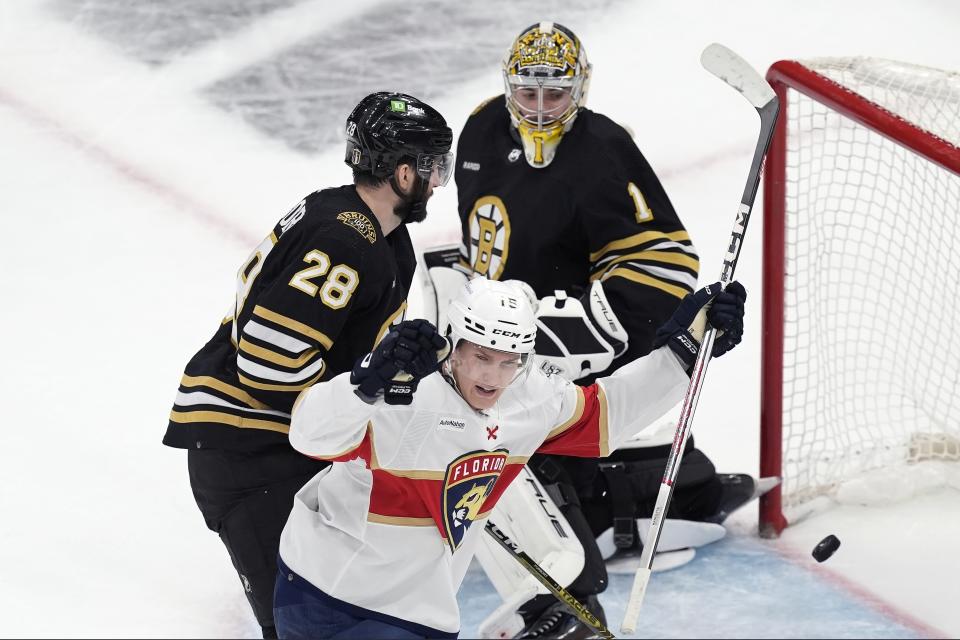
411 351
723 309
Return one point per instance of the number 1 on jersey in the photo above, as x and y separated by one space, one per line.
644 214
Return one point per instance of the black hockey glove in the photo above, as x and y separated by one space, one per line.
411 351
684 331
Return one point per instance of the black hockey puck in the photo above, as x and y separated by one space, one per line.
825 548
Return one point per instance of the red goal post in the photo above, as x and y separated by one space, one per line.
861 206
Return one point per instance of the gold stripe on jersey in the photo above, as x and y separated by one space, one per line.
577 414
642 278
400 521
229 419
276 358
385 327
516 460
668 257
373 463
222 387
482 105
281 387
351 448
414 474
604 428
293 325
296 403
637 240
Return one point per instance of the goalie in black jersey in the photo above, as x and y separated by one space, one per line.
560 197
319 292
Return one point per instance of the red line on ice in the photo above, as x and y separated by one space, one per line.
181 201
861 593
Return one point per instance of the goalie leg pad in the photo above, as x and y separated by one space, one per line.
442 278
527 514
563 479
629 482
676 535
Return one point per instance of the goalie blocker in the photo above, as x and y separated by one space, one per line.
576 337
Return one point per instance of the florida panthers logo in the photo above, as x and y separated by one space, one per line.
466 486
489 236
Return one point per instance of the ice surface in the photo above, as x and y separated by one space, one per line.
147 147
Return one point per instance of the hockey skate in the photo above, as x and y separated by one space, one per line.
557 621
738 490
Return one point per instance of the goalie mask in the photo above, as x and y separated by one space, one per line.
546 76
493 330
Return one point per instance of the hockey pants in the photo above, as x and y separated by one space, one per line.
246 499
303 612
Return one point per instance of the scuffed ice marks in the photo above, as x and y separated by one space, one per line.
301 94
159 31
426 48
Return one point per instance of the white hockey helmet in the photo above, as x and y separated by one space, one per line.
493 314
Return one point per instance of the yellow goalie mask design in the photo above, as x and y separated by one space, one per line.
546 76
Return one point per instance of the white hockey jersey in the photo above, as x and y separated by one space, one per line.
388 526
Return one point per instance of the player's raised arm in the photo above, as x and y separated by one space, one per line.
598 418
330 419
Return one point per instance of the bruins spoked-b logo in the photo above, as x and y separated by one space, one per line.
489 237
468 482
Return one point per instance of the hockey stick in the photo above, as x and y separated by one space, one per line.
733 70
544 578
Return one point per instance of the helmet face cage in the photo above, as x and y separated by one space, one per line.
546 75
387 129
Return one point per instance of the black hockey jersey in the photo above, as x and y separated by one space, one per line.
598 211
319 292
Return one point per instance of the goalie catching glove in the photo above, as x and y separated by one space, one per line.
722 308
410 352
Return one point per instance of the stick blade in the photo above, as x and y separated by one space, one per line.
737 72
632 614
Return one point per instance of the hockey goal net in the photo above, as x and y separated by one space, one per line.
861 310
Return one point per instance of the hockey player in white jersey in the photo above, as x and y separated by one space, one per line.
378 543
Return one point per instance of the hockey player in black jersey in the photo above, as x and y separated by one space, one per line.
320 291
560 197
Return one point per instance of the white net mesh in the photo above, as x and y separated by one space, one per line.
872 291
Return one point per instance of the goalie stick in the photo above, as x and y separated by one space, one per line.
544 578
737 73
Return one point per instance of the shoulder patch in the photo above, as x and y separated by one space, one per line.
360 223
482 105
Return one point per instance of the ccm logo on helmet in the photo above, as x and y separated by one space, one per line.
507 334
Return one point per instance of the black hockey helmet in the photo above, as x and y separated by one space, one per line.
387 128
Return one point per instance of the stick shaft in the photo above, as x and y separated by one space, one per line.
547 581
768 116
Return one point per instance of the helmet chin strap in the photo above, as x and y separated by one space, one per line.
412 207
